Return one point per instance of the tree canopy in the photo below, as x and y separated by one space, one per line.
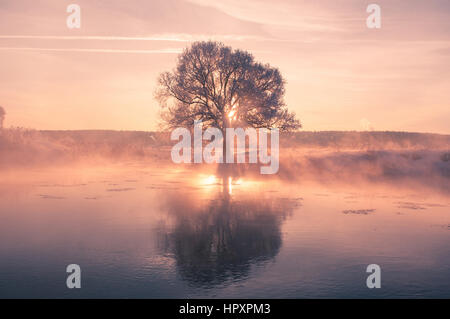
219 86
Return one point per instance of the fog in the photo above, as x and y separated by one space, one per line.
323 157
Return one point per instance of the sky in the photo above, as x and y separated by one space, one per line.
340 75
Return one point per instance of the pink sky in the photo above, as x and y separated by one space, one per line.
340 74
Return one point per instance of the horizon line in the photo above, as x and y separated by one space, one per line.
300 131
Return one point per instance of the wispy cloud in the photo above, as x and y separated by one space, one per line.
180 37
159 51
280 14
102 38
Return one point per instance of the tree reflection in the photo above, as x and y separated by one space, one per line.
218 239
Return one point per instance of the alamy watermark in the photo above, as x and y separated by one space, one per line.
374 279
74 19
74 279
373 21
214 151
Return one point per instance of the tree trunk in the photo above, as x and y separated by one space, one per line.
224 166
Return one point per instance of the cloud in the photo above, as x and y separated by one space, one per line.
112 17
176 37
161 51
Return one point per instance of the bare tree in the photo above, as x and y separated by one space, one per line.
2 116
221 86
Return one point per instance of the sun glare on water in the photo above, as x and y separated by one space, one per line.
209 180
230 183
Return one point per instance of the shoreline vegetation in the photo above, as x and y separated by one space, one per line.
327 156
13 138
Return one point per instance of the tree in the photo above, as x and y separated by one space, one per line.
220 86
2 116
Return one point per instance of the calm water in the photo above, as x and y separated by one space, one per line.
172 233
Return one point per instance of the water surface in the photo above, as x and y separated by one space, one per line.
165 232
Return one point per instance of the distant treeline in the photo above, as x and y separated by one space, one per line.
321 139
19 145
368 140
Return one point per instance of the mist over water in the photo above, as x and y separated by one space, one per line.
140 226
